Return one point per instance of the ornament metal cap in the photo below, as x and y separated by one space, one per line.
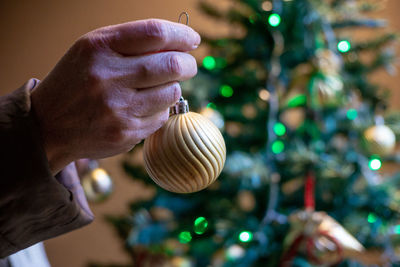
181 107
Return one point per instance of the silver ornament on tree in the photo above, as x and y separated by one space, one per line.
97 183
187 154
379 139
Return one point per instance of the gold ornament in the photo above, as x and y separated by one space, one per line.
327 91
187 154
97 185
331 241
234 252
327 62
380 140
180 262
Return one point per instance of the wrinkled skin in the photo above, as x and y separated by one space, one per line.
112 89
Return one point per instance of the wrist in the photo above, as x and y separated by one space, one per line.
55 154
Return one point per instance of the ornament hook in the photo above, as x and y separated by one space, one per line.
187 17
181 107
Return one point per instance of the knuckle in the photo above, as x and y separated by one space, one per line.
94 79
155 29
84 43
90 43
99 39
143 71
174 65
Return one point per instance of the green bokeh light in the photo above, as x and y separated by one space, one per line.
245 236
274 20
297 101
277 147
344 46
209 63
220 62
226 91
397 229
212 105
185 237
200 225
279 129
352 114
372 218
252 19
375 164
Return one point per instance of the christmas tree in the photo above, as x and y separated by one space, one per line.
306 132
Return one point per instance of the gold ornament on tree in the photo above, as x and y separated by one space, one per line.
97 183
322 238
327 90
325 240
187 154
379 140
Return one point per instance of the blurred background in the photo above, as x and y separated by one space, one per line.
35 34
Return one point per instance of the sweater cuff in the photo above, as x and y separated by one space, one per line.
34 205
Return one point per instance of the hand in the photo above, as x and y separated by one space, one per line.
112 89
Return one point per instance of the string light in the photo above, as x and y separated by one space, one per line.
372 218
212 105
226 90
245 236
185 237
274 20
279 129
209 63
266 6
220 62
352 114
344 46
297 101
264 94
277 147
200 225
375 164
252 19
249 111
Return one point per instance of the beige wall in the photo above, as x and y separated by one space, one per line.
35 34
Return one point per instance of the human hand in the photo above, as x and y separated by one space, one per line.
112 89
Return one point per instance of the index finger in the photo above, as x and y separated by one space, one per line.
152 35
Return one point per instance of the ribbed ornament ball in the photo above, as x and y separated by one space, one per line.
186 155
